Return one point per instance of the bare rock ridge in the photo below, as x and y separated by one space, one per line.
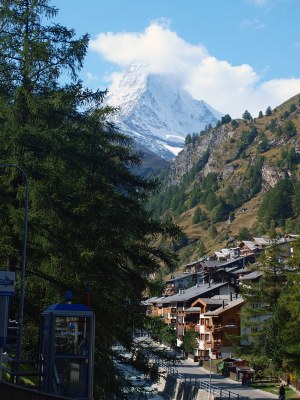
157 112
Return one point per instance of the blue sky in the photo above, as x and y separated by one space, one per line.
233 54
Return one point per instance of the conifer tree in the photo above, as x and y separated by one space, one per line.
261 301
247 116
87 223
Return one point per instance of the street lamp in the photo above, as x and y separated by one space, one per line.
23 265
210 327
210 361
210 367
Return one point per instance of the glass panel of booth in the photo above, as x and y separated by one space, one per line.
72 335
73 373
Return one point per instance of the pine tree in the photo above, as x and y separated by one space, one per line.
247 116
87 222
261 300
283 333
202 248
197 216
268 111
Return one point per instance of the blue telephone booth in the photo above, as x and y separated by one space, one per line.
66 351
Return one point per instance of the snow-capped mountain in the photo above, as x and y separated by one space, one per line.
158 114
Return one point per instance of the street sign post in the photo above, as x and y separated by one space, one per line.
7 283
7 289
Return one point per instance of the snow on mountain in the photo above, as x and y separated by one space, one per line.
158 114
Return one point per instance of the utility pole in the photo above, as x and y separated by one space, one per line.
23 264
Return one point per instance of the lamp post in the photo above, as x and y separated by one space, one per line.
210 368
23 265
210 327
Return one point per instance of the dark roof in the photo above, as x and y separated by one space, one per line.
252 275
152 300
193 310
227 306
195 291
68 307
213 301
244 270
176 278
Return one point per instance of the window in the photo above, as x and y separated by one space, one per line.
71 335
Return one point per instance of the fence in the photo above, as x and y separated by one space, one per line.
198 383
13 392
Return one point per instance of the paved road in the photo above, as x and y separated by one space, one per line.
192 369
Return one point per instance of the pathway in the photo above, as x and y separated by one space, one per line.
192 369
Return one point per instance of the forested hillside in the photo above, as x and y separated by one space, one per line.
234 181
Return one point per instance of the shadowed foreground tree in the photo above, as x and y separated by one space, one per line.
261 298
272 313
87 223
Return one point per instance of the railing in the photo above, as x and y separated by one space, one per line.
11 391
56 383
14 392
12 367
198 383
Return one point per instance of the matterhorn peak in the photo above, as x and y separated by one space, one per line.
156 111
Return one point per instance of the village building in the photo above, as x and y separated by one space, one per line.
247 247
177 283
206 297
217 320
173 307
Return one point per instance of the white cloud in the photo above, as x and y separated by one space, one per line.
226 87
261 3
91 77
252 25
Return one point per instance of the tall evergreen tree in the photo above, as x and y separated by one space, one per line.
87 223
283 333
261 303
247 116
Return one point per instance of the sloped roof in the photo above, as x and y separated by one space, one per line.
228 306
244 270
261 241
193 310
197 290
153 300
176 278
249 244
252 275
208 301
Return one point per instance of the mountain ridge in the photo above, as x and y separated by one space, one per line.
156 112
220 183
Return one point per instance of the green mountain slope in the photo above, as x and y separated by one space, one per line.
238 179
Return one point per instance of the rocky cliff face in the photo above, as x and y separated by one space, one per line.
209 144
157 112
247 159
271 175
229 157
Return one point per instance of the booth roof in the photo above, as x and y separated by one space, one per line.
68 307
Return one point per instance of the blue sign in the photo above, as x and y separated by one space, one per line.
7 283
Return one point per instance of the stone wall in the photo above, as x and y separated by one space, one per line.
176 389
